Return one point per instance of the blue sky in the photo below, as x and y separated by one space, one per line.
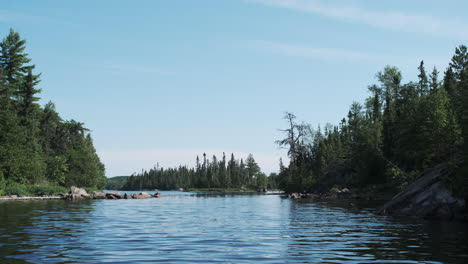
163 81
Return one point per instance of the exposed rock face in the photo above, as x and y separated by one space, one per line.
77 194
426 198
142 195
126 196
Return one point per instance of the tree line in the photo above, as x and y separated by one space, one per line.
36 145
214 173
399 130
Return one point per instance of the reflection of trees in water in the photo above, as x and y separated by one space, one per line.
27 226
340 231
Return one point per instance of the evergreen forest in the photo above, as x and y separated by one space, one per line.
207 174
387 140
390 138
39 151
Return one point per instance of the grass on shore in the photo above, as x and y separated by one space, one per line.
12 188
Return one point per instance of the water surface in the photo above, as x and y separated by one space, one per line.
188 228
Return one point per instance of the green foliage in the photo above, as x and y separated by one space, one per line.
221 190
261 180
401 129
37 146
91 189
57 168
207 174
457 182
116 183
46 189
14 188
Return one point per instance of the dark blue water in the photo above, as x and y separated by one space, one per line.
187 228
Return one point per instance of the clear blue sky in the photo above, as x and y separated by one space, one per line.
162 81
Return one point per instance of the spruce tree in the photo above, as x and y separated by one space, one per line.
423 81
464 116
434 80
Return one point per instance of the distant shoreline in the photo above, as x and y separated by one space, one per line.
30 198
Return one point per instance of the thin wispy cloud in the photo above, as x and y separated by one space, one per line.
399 21
136 68
15 17
327 54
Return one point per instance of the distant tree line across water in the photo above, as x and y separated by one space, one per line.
399 130
387 141
36 145
207 173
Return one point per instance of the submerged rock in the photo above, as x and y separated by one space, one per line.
426 198
156 195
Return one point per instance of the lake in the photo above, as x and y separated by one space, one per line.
201 228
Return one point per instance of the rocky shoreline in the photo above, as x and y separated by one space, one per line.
342 194
425 198
81 194
428 198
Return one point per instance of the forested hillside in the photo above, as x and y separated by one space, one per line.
400 129
207 173
36 145
116 183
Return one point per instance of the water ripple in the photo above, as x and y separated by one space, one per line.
184 228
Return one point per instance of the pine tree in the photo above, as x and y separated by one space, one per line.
459 62
13 63
27 95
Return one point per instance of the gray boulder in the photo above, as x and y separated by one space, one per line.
115 195
142 195
427 197
99 195
294 196
77 194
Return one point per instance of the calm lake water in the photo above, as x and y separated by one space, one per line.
188 228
